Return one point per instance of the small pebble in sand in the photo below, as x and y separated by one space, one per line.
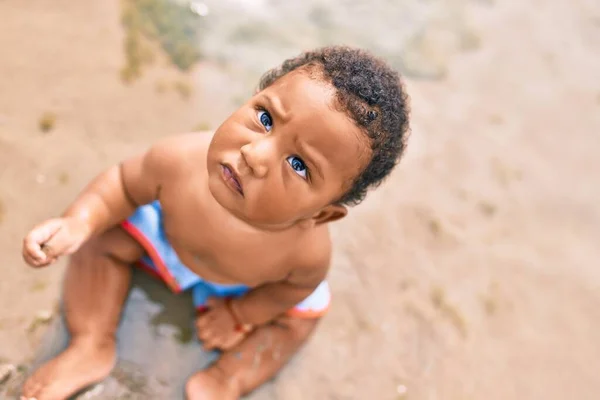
43 316
6 370
40 178
401 389
63 178
47 122
199 8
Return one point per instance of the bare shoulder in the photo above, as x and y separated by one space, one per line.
174 149
145 174
174 154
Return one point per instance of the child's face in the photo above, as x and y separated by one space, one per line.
286 154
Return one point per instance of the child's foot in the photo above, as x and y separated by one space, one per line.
80 365
211 384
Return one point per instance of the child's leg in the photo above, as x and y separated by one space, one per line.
95 287
254 361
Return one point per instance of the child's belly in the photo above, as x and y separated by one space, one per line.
232 271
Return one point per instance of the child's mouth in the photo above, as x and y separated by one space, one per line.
232 179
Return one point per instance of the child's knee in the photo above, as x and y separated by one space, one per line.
210 384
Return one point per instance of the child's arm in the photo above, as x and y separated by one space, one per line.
309 268
111 197
265 303
227 321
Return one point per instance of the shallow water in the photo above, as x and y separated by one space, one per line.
250 36
156 346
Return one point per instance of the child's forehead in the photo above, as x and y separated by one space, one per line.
308 106
300 87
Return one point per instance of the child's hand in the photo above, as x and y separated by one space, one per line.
52 239
216 327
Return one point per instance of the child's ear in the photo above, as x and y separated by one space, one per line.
330 213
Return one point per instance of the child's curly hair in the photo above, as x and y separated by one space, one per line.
372 94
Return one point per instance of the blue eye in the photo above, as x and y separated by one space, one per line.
298 166
265 119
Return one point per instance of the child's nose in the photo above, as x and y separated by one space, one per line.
258 155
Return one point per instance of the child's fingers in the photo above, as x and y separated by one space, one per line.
207 346
36 262
208 342
209 337
29 259
33 242
43 232
212 343
204 332
201 321
232 341
221 341
59 244
32 252
205 320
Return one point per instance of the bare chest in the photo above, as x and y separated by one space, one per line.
214 247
